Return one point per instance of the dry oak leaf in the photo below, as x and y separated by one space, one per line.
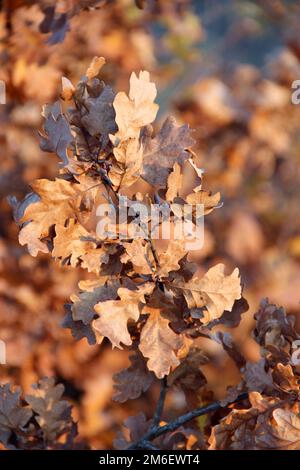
164 150
115 314
57 203
208 200
84 302
135 428
188 374
283 434
169 260
159 343
256 377
133 381
174 183
58 135
100 119
95 67
129 155
137 110
283 376
138 252
54 414
238 430
68 89
12 415
93 259
215 291
68 242
273 326
78 329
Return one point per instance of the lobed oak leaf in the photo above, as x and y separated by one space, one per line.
230 347
209 201
68 242
100 116
79 330
133 381
13 416
56 204
136 427
164 150
84 303
174 183
115 314
188 374
282 434
286 380
159 343
94 258
235 431
232 319
257 379
53 413
137 110
129 155
169 259
138 252
58 136
215 291
273 326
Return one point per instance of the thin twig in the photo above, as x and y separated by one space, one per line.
149 446
159 430
160 403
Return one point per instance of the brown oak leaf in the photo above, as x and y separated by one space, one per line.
159 343
115 314
133 381
164 150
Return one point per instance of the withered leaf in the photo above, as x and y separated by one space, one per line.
115 314
85 301
95 67
53 413
136 427
79 330
174 183
12 415
137 110
68 89
129 155
68 242
159 343
133 381
284 434
100 119
208 200
215 291
188 374
56 204
256 377
58 135
138 252
169 259
273 326
164 150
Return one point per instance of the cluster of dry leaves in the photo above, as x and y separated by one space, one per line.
247 140
144 295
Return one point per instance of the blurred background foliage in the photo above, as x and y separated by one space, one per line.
225 68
